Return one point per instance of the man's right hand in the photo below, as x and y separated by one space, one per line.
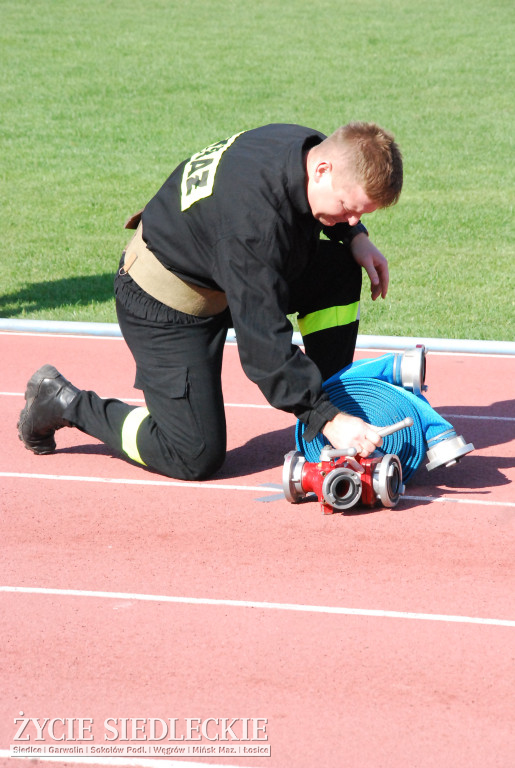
346 431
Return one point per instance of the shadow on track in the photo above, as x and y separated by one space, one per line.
258 454
501 428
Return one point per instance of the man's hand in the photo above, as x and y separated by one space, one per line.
346 431
368 256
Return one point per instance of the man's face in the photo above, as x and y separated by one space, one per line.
332 203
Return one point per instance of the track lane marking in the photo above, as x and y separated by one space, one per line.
206 485
478 418
365 343
299 608
142 400
445 499
270 407
129 481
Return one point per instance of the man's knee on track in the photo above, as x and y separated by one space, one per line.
199 467
205 466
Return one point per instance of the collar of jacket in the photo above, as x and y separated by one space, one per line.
297 175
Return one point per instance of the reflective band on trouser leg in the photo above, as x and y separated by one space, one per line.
130 433
328 318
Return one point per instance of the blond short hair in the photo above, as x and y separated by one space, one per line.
370 152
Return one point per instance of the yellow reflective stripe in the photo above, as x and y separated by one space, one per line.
328 318
130 432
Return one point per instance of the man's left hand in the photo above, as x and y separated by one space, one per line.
368 256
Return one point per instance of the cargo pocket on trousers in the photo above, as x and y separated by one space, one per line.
168 397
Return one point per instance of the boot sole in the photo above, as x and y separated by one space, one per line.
46 371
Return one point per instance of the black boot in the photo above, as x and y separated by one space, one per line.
47 397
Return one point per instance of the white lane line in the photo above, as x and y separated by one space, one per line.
300 608
142 400
448 499
206 485
248 405
478 418
365 343
130 762
267 406
126 481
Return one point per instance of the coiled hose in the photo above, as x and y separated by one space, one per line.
381 403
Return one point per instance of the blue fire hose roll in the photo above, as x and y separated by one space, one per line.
363 389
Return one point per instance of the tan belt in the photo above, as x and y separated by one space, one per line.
148 272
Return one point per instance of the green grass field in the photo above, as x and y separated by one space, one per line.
100 100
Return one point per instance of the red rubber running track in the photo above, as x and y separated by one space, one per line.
384 638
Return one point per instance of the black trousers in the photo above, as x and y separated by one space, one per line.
182 431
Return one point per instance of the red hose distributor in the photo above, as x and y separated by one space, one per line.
337 483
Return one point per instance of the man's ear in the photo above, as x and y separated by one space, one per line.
322 168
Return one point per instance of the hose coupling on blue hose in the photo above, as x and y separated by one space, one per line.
409 369
447 451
